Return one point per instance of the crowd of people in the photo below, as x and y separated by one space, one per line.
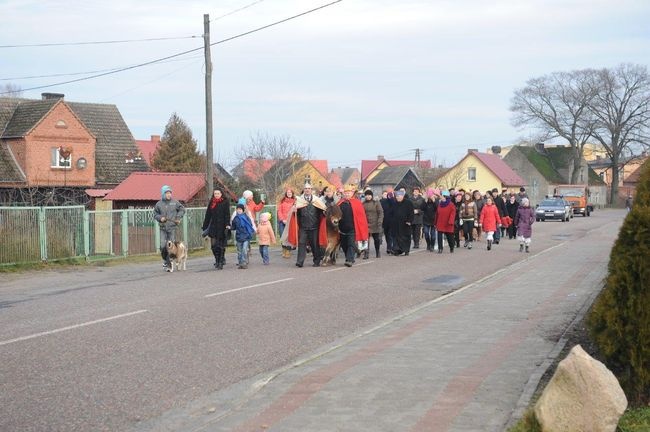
440 217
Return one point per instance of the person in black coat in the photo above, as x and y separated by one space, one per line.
215 225
402 220
387 202
501 207
511 211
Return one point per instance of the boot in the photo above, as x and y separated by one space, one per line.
527 250
377 254
489 245
365 254
521 247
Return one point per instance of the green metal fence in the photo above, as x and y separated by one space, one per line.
33 234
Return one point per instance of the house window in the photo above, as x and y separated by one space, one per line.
57 160
61 125
471 174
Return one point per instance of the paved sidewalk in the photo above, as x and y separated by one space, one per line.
459 363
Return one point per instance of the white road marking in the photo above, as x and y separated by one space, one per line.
248 287
46 333
353 265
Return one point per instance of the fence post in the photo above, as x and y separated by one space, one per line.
125 233
185 225
86 234
42 231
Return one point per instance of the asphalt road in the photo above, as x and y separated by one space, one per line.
115 348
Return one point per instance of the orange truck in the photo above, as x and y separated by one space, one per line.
578 196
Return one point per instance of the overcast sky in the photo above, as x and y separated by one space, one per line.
351 81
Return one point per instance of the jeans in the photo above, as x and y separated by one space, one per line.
468 230
430 236
264 252
242 252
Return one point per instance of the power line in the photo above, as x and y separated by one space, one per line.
277 22
87 72
178 54
236 10
98 42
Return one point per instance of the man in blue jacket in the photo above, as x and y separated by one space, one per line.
168 212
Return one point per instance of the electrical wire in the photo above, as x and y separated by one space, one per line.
98 42
89 72
178 54
237 10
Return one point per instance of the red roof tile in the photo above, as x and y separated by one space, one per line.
145 186
254 169
335 180
148 147
97 193
321 166
494 163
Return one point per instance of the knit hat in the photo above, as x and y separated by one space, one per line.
247 194
241 206
265 217
525 202
400 193
430 192
368 192
242 201
445 193
164 189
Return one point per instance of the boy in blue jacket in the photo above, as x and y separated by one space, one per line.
241 223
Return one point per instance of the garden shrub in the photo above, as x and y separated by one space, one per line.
619 321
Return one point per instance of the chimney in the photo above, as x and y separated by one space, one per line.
469 151
155 138
539 147
51 96
380 157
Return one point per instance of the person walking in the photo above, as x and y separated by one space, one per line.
490 221
309 211
375 217
265 236
446 221
524 220
353 226
387 202
402 220
511 211
251 206
480 202
429 218
215 225
416 226
457 200
168 213
500 205
243 226
284 210
468 217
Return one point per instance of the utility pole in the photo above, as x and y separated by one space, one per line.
208 107
417 158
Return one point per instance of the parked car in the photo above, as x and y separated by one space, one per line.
554 208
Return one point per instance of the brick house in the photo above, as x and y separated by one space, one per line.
62 148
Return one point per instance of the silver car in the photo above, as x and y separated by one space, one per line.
553 208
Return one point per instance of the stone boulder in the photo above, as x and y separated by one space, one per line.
582 396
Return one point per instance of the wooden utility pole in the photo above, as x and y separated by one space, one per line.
209 177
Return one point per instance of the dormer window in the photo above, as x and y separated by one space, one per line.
60 157
61 125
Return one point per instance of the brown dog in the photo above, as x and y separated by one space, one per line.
177 255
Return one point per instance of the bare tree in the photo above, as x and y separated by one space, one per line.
622 110
11 91
273 158
454 178
558 106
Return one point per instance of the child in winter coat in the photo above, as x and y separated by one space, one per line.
242 224
489 221
523 221
265 236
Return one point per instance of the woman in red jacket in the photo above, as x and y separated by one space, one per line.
284 208
445 221
489 221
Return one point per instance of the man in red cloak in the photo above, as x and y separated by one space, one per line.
353 226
